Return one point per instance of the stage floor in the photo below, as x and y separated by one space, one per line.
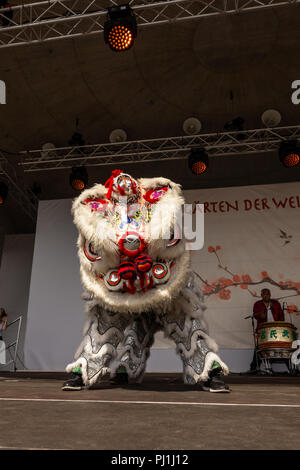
162 413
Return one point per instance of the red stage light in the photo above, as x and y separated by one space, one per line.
120 38
3 192
199 167
78 178
78 185
291 160
289 153
120 29
198 161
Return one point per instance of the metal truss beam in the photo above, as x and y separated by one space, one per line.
170 148
26 200
48 20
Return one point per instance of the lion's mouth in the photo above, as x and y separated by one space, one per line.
128 281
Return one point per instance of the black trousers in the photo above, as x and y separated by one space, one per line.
256 362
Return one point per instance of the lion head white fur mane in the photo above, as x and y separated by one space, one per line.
132 255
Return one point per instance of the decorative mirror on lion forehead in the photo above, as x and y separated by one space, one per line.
126 185
121 185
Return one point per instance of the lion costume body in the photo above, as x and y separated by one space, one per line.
138 280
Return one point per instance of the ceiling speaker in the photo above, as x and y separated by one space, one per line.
192 126
117 135
48 150
271 118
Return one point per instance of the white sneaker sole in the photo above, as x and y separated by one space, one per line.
212 390
218 391
71 388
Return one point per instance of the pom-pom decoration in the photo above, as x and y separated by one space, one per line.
143 263
127 270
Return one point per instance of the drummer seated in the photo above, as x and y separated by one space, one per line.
267 309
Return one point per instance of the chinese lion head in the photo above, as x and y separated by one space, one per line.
132 255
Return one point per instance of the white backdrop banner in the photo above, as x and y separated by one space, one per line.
15 274
252 241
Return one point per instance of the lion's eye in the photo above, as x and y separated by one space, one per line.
175 237
90 252
91 248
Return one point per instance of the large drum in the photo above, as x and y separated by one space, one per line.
275 339
276 334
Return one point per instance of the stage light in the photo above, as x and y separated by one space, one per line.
289 154
236 124
120 29
3 192
198 161
79 178
7 15
77 140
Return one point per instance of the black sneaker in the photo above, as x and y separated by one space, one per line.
120 378
75 382
215 384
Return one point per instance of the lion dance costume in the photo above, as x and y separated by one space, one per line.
138 280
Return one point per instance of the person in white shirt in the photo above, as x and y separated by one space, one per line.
3 321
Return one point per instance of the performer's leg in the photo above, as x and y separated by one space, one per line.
192 345
186 326
135 348
102 333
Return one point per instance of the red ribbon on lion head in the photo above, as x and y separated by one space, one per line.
110 182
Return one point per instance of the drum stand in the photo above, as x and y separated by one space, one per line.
257 369
268 366
280 355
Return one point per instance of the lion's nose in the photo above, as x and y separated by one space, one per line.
131 244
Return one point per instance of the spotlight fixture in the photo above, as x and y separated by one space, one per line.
120 28
198 161
78 178
289 153
77 140
3 192
7 15
236 124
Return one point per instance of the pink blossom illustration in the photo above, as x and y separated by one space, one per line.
222 285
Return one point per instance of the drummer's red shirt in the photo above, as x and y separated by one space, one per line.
260 311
